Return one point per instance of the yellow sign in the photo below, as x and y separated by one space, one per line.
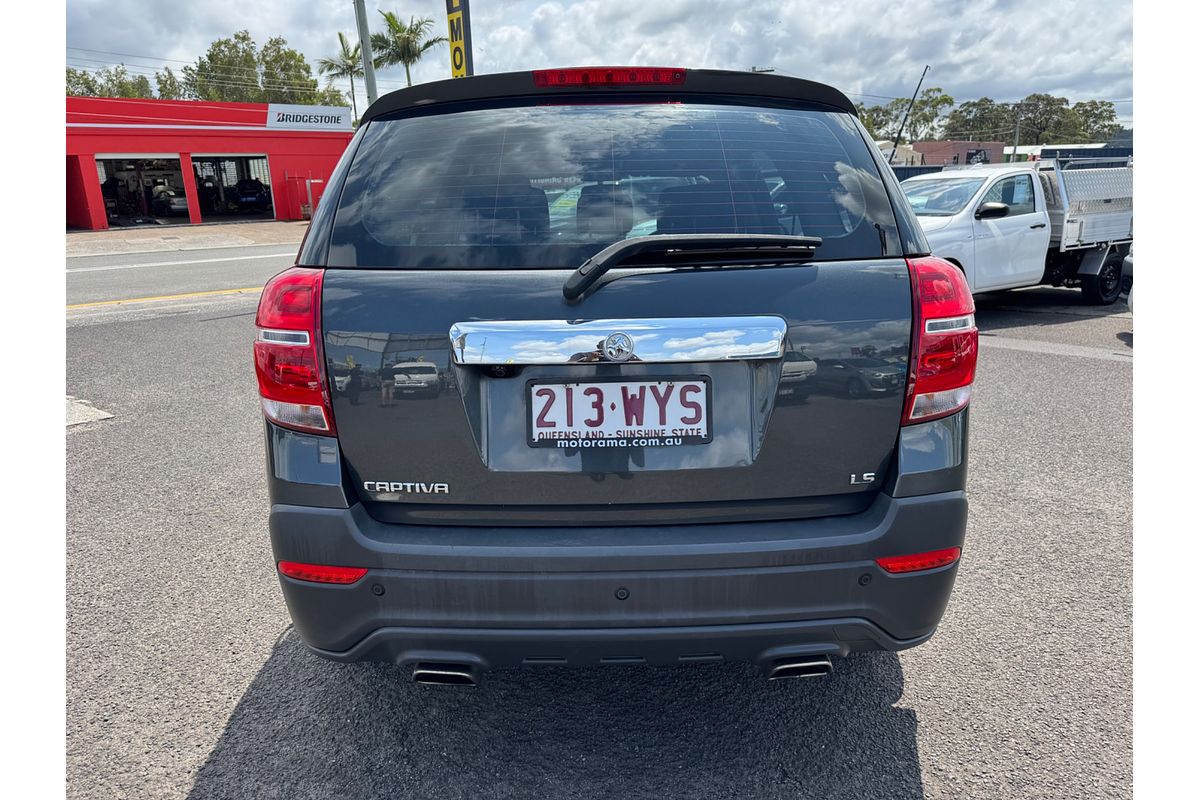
458 20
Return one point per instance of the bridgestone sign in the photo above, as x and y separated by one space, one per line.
308 118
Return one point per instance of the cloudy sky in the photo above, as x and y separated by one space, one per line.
1004 49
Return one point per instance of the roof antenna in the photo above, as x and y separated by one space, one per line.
911 103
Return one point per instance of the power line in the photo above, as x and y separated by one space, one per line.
268 85
215 78
224 82
876 96
145 69
171 61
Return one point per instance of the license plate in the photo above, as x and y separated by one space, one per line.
620 413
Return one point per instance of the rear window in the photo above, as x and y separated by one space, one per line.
549 186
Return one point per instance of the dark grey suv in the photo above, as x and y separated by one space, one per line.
605 267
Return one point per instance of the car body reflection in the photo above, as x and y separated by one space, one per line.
859 376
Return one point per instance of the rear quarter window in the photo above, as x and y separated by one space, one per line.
549 186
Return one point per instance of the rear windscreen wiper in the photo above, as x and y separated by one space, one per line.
690 249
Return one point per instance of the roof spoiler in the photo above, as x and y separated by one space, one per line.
695 82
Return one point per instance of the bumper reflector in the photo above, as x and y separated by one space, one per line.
321 573
920 561
296 415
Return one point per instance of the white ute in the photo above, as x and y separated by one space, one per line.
1063 223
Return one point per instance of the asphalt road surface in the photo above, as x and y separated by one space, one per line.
107 278
185 680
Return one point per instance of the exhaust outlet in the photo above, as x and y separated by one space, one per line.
444 674
808 667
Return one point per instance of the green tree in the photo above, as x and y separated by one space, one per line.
286 75
403 44
1122 138
982 120
927 112
108 82
235 70
346 63
894 112
329 96
882 120
80 83
1046 119
169 86
872 118
228 72
1098 119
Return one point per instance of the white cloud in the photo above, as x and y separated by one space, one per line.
705 339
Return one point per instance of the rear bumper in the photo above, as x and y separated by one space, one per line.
499 597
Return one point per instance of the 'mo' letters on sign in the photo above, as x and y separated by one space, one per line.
458 19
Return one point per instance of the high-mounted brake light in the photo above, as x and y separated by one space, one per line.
321 573
609 76
287 352
919 561
945 341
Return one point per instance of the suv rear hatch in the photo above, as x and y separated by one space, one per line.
660 395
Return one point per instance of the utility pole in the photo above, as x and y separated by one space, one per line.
1016 133
364 38
911 103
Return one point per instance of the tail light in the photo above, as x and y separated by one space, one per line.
288 352
919 561
609 76
945 341
321 573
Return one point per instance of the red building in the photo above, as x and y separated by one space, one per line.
138 161
960 152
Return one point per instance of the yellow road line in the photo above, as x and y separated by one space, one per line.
165 297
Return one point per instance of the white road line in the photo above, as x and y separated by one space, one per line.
1066 311
247 300
1055 348
189 249
80 411
180 263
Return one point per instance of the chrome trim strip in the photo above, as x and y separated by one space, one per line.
656 341
298 338
950 324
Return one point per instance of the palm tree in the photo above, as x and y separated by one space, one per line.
403 44
346 64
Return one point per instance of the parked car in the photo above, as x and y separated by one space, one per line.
1045 222
796 378
248 195
416 378
613 477
860 377
169 203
